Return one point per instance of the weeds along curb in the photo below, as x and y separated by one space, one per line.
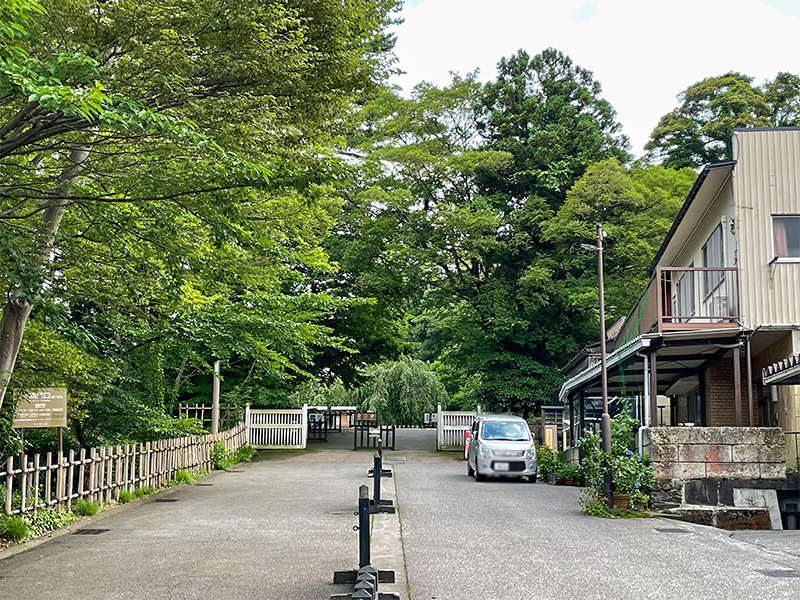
83 521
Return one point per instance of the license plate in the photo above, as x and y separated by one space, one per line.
501 466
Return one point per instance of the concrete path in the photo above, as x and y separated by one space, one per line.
275 529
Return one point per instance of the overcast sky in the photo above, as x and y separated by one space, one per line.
643 53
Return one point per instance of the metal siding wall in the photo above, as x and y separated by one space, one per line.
766 182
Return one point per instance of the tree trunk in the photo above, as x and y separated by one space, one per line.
17 309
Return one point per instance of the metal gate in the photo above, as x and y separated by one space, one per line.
367 436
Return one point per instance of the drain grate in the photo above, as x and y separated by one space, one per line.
166 500
89 531
671 530
236 471
778 572
204 484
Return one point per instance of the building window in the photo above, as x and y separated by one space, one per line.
713 256
786 236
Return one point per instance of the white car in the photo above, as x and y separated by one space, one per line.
501 446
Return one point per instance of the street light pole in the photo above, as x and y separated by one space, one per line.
605 420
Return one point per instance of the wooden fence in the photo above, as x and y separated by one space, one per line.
274 429
228 414
100 474
451 426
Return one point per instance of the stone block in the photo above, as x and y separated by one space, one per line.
725 517
772 453
667 494
702 491
679 470
772 470
746 453
704 453
733 470
663 452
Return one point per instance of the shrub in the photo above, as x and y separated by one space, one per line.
183 476
220 455
125 496
49 519
244 454
141 492
14 527
85 507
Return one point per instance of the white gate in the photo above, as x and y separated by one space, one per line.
277 429
451 426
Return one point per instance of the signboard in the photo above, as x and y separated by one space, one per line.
367 416
41 407
551 437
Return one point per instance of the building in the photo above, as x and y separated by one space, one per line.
709 344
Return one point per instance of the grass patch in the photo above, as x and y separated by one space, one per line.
141 492
183 476
85 508
126 496
222 458
49 519
14 528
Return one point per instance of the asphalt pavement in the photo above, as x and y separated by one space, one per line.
277 529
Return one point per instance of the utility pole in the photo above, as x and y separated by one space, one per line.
605 420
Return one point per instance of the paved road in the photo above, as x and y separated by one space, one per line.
275 530
278 529
521 541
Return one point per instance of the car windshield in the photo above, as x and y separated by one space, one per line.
511 431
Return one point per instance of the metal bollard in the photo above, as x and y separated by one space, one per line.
377 470
367 581
363 526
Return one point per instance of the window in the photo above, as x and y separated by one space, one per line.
786 236
713 257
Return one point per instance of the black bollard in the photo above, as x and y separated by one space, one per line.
377 468
363 526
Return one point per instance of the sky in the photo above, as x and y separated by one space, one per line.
644 53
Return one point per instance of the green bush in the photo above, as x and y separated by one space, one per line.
244 454
85 507
125 496
141 492
49 519
183 476
14 527
220 455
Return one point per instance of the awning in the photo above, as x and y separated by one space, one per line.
783 372
679 355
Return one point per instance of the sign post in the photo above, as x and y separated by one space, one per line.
41 408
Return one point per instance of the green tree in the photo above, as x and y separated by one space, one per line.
549 114
699 131
120 128
400 392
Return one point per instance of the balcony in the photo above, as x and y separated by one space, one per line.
686 299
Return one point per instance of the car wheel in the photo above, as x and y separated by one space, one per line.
478 476
470 470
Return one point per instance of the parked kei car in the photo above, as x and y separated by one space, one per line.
501 446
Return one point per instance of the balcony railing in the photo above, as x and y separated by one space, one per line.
686 299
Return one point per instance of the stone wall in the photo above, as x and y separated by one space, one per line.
681 454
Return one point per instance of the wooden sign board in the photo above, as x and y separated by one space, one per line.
366 416
551 437
40 408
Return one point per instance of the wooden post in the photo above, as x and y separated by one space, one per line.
215 399
9 483
70 478
36 460
48 481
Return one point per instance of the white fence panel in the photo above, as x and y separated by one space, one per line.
450 428
276 429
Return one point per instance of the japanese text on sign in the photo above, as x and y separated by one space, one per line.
40 408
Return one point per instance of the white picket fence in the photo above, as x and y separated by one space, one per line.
99 474
277 429
451 426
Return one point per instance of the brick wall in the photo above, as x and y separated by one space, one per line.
719 392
